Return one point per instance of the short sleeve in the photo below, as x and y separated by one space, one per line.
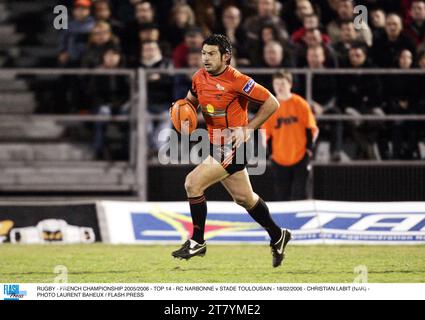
248 88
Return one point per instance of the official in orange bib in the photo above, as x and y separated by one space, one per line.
223 93
292 130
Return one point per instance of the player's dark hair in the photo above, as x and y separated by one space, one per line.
223 43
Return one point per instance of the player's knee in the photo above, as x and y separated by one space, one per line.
246 200
193 188
242 200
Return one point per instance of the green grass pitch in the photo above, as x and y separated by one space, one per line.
102 263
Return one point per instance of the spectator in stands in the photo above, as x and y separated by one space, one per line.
206 15
346 12
232 28
313 38
269 32
181 18
72 41
266 13
361 94
102 12
311 21
294 12
152 32
101 39
304 8
149 32
144 13
347 37
402 97
109 93
387 47
160 89
274 56
324 86
416 28
377 18
183 82
324 98
192 40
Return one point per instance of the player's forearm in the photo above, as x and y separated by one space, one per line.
266 110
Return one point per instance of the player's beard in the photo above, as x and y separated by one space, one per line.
216 70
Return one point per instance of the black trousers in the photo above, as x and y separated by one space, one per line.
290 182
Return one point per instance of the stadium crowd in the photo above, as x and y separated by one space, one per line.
315 34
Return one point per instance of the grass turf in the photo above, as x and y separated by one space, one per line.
100 263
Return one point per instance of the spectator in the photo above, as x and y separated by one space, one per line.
102 12
269 32
101 39
72 41
347 37
377 19
160 88
313 38
361 94
144 13
205 13
274 56
109 93
311 21
324 86
192 40
304 8
232 28
292 130
402 97
388 46
266 14
346 12
181 18
151 32
416 28
183 82
324 98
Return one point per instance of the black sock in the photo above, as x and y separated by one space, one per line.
260 213
198 210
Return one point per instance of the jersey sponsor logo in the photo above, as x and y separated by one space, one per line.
249 86
219 87
285 121
210 108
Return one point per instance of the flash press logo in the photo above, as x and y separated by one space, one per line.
13 292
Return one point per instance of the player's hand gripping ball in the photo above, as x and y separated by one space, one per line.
184 116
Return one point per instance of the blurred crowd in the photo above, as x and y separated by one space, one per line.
314 34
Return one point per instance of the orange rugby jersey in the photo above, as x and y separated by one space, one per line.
287 129
224 98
